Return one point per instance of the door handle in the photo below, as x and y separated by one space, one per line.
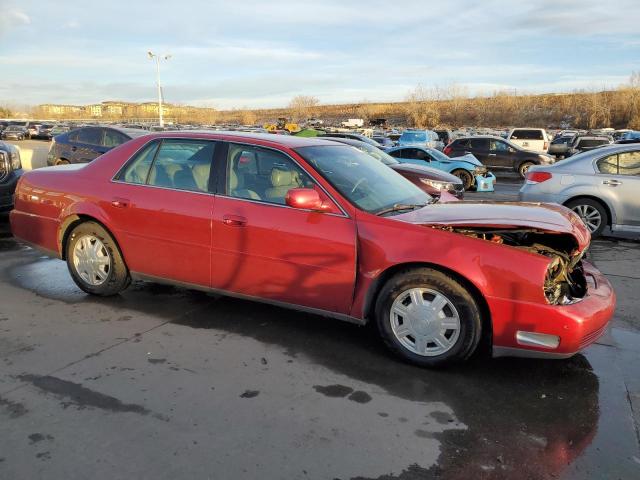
234 220
492 154
613 183
120 202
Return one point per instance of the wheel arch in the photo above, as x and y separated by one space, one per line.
604 203
379 282
71 222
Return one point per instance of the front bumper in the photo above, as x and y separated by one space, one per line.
7 189
576 326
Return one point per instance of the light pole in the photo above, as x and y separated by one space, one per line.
158 57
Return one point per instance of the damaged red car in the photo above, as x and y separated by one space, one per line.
322 227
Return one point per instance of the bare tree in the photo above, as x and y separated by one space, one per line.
421 108
302 106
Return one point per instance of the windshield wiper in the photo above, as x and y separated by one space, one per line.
401 206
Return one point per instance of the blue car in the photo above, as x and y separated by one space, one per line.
466 167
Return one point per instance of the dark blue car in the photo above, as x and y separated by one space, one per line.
10 173
84 144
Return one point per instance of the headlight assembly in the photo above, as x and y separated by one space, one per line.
15 160
437 184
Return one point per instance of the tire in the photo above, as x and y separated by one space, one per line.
465 176
101 271
432 286
589 211
523 167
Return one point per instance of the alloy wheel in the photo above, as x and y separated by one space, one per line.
425 321
589 215
91 260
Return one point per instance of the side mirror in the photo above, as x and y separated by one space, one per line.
305 199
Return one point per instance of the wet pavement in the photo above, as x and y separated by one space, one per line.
162 382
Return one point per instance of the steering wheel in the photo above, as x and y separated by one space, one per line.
358 183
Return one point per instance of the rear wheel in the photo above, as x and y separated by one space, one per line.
428 318
95 262
524 168
465 176
592 213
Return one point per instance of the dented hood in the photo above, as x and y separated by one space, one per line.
504 215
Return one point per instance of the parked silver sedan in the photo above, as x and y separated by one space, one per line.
602 186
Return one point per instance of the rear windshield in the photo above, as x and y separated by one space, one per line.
414 136
592 143
527 135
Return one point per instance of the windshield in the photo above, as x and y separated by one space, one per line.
438 155
414 136
362 180
377 154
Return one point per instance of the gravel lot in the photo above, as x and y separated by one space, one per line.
167 383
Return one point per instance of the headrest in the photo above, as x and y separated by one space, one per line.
281 178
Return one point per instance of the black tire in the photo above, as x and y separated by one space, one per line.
465 176
117 278
523 167
588 202
468 311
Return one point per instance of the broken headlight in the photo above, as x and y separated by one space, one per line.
564 282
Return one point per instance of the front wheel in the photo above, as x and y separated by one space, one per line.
95 262
524 168
465 176
428 318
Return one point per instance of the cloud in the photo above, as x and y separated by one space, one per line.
12 18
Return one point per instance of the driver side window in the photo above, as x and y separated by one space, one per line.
498 146
262 174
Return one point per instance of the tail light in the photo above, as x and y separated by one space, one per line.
537 177
447 150
546 146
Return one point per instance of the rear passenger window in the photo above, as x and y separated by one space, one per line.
182 165
629 163
479 143
113 138
90 136
137 170
396 153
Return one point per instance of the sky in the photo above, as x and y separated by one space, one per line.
253 54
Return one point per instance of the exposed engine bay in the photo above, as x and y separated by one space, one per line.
565 282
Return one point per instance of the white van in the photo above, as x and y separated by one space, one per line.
534 139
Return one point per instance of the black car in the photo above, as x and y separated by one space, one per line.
10 172
84 144
583 143
43 131
445 136
354 136
14 132
498 153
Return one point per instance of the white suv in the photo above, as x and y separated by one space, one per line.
535 139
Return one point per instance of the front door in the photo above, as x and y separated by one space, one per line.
619 182
500 154
266 249
161 211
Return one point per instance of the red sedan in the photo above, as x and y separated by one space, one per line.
322 227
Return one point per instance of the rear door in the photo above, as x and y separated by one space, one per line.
619 182
479 147
161 210
264 248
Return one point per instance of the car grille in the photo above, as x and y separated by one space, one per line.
4 166
458 187
591 337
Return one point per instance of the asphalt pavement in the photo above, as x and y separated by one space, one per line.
166 383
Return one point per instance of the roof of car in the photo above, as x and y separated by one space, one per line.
468 137
290 141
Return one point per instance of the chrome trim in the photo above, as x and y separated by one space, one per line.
533 339
262 202
227 293
524 353
164 188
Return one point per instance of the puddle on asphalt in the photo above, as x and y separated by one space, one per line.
529 417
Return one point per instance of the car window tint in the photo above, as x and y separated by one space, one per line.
527 135
629 163
479 143
113 139
396 153
608 165
90 136
461 143
183 165
498 146
262 174
138 167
